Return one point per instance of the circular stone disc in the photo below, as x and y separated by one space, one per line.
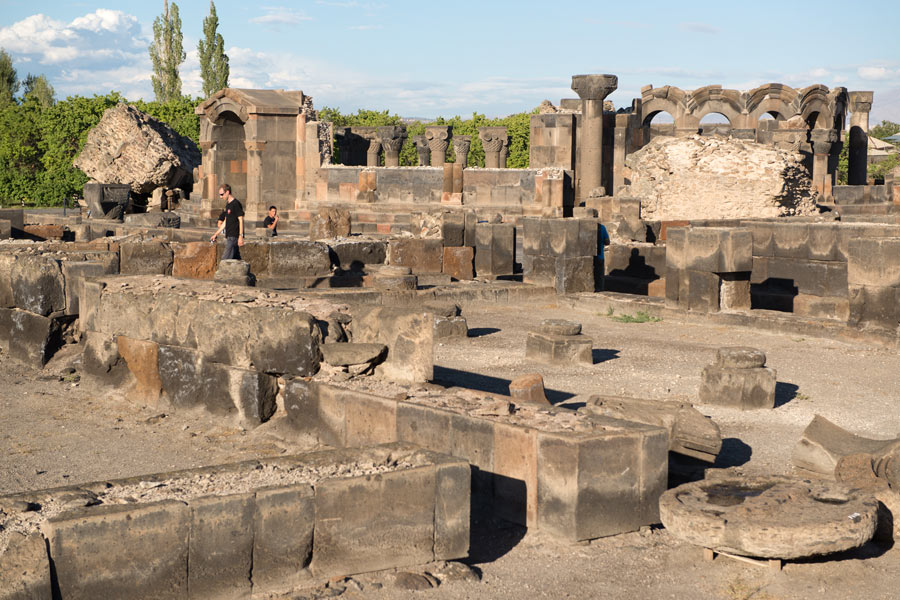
769 517
560 327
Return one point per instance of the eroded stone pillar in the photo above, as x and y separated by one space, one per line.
373 153
592 89
392 138
504 152
620 143
492 139
821 141
254 202
438 141
860 105
461 145
422 149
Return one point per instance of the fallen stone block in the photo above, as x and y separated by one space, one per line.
769 517
458 262
329 222
234 272
420 255
25 568
731 381
528 388
32 339
347 354
448 323
38 285
559 349
145 258
408 335
194 260
299 259
823 444
690 433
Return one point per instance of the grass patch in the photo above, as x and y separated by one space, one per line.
640 316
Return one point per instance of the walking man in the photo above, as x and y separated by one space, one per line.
232 221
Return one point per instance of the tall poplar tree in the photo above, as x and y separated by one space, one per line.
9 79
166 54
213 61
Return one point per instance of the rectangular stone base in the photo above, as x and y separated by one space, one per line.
740 388
559 348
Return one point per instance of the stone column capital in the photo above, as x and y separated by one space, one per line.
594 87
493 138
391 137
438 137
822 140
422 149
860 101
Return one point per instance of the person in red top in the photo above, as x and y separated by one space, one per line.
232 222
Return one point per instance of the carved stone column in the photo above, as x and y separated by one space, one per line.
461 144
592 89
821 141
492 139
857 167
504 151
253 204
392 138
422 149
438 141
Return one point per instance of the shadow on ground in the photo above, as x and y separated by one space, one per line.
784 392
448 377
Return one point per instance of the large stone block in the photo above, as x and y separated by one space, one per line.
458 262
424 426
559 349
74 273
718 249
16 218
874 307
142 358
702 293
409 336
194 260
746 389
451 509
145 258
220 550
283 525
122 551
38 285
101 360
495 248
25 568
32 339
382 521
791 240
419 254
354 255
592 485
329 223
453 228
874 262
540 270
298 259
576 274
515 473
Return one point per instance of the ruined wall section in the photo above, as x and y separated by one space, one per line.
718 178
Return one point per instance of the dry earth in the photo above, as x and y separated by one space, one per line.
55 431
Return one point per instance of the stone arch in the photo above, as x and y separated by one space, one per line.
652 130
772 98
654 106
715 126
815 107
713 99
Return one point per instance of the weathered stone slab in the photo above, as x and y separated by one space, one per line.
560 349
298 259
746 389
74 273
329 222
353 255
92 562
346 354
495 247
25 568
409 336
220 551
32 339
234 272
38 285
528 388
740 357
283 525
419 254
194 260
769 517
823 444
458 262
690 433
145 258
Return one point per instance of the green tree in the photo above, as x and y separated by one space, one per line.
9 81
214 67
167 53
884 129
37 87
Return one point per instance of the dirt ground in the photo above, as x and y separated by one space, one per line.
55 430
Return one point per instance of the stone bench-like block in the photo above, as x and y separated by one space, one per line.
408 506
710 249
575 485
420 255
746 389
194 260
29 338
559 349
495 248
298 258
146 258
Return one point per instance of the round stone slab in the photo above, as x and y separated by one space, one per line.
769 517
741 357
560 327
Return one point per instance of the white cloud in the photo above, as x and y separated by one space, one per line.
876 73
365 27
280 15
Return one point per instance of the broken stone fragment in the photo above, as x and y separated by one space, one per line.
769 517
690 433
560 327
347 354
234 272
738 379
528 388
740 357
823 444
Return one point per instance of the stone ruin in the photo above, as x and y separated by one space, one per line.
374 265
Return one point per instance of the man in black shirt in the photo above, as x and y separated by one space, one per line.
232 219
271 222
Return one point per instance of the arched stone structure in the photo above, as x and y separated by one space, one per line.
239 128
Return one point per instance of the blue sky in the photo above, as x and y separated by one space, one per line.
424 59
